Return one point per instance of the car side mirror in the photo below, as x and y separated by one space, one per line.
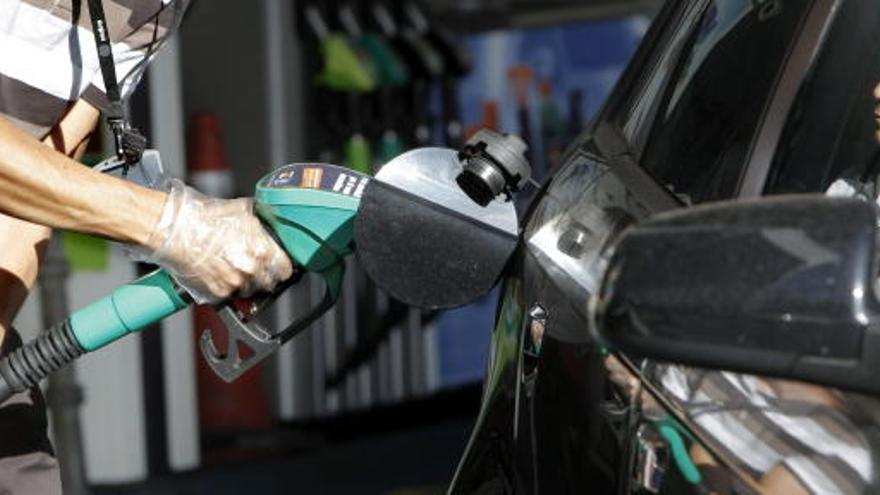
781 286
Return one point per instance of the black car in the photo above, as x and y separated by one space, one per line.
725 99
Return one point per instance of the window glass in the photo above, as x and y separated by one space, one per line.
641 108
830 133
709 114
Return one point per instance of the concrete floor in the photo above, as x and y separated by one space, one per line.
416 461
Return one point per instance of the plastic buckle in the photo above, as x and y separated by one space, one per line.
133 145
130 143
148 172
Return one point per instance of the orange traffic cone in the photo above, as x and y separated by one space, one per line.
490 116
223 407
206 158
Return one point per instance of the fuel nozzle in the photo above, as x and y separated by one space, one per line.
493 164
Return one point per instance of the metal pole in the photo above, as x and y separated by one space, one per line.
384 369
64 395
348 338
415 353
180 402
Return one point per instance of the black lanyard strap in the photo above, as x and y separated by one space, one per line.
130 144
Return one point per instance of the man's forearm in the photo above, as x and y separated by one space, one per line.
212 247
43 186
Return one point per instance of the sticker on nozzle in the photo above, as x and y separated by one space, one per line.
319 176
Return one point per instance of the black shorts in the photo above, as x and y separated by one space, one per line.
27 461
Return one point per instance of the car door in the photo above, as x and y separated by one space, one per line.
686 122
537 427
712 119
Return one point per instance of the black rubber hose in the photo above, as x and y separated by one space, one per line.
26 366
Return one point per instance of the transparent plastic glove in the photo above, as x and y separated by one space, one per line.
215 247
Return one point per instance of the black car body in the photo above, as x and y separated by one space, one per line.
724 99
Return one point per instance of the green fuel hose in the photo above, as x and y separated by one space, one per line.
672 432
127 309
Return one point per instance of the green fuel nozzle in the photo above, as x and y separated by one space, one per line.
310 209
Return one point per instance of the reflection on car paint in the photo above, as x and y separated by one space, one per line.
579 215
825 438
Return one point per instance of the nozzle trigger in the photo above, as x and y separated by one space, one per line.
231 365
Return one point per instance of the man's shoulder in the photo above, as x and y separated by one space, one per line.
48 57
123 16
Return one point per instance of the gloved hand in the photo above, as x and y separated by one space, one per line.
215 247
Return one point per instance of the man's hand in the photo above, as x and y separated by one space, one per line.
215 247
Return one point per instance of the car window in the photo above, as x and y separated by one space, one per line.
708 117
635 120
830 131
